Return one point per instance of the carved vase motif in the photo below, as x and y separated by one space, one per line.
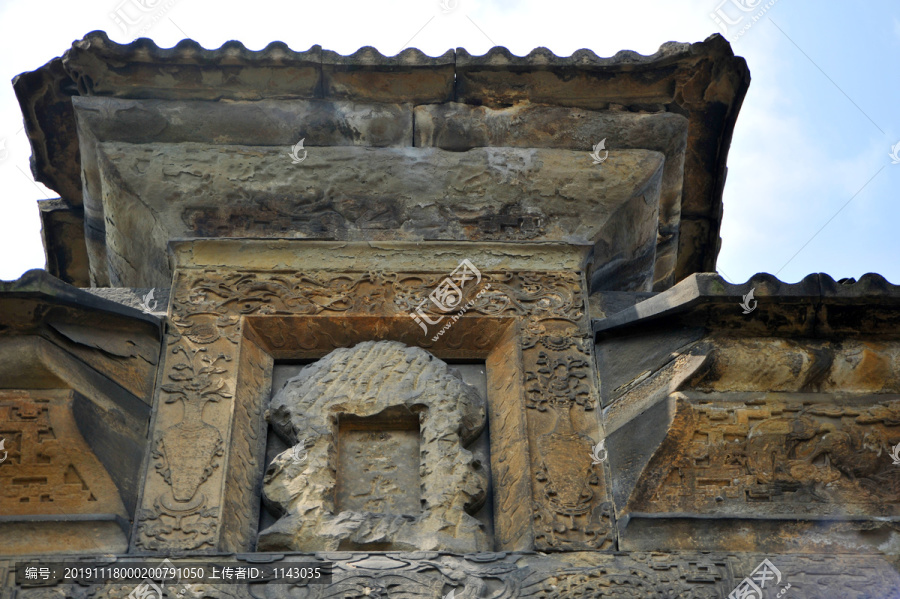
192 445
566 459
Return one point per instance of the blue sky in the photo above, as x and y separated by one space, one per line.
811 187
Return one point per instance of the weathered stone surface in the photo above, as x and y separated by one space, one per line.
359 256
410 76
78 372
119 343
154 298
45 98
154 192
607 303
188 71
787 472
460 127
815 306
62 231
265 122
49 461
703 82
381 387
59 537
252 123
49 470
767 429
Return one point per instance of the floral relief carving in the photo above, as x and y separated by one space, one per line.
187 453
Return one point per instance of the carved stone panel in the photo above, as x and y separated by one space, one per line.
411 491
528 321
378 465
48 469
810 473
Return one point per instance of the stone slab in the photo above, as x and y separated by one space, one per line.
460 127
156 192
253 123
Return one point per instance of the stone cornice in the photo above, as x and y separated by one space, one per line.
816 306
703 81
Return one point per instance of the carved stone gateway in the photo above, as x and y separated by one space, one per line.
630 432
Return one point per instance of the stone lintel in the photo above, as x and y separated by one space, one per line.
368 194
393 256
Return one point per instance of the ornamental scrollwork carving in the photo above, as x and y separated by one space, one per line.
539 296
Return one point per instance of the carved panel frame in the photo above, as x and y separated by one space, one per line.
228 324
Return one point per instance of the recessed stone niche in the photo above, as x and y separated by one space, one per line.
379 457
378 463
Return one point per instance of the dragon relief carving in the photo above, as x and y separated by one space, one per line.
186 455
